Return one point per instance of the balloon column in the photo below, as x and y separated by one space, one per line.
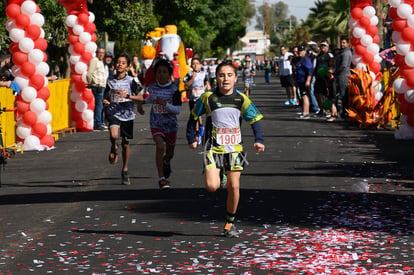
30 70
82 49
401 13
365 39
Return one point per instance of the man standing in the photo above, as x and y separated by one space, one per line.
304 71
286 76
342 69
322 64
96 77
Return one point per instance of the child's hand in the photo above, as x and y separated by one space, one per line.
106 102
193 145
160 101
259 147
140 109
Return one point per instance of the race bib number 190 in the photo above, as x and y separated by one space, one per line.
228 136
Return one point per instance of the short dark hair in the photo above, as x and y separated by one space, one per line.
127 57
226 63
163 63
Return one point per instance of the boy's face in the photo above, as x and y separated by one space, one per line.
226 78
121 65
196 65
162 75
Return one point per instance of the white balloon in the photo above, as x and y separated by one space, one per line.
409 95
368 11
78 29
10 24
22 81
28 7
81 67
403 48
352 23
46 82
85 37
91 17
81 105
29 94
366 40
26 45
71 20
75 96
23 131
373 48
377 58
16 34
49 129
374 20
395 3
378 96
396 36
74 59
358 32
356 59
404 10
410 21
31 142
45 117
42 33
36 56
70 50
361 66
409 59
89 124
37 19
87 115
399 86
38 105
91 47
42 68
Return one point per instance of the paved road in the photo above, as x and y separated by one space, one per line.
65 212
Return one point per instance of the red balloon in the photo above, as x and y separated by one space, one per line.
371 30
22 106
401 98
47 106
73 39
407 34
94 37
79 48
375 67
360 50
399 25
392 13
22 21
91 105
19 58
368 58
39 129
81 124
14 47
355 41
33 32
47 140
409 78
364 21
80 86
406 107
86 57
75 115
43 93
13 11
399 60
357 13
44 57
29 118
76 77
37 81
87 95
83 18
28 69
90 27
40 44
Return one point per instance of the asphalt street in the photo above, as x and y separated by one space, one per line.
303 207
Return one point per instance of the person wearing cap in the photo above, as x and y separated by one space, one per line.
342 70
304 71
176 69
322 64
286 75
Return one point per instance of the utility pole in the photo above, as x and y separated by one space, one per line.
379 7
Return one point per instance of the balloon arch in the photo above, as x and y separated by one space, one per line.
28 49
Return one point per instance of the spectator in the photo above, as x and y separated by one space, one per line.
304 71
322 64
286 75
342 70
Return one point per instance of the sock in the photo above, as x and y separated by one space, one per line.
230 218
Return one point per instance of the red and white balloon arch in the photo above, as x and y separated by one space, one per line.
30 69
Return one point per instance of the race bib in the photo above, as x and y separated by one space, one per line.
159 109
228 136
197 91
116 96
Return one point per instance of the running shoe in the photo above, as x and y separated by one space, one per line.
295 102
125 178
307 116
230 231
113 155
287 102
164 184
166 167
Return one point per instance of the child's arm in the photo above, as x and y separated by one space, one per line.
258 137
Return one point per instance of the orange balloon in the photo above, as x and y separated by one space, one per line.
22 106
19 58
33 31
13 11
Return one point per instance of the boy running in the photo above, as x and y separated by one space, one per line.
224 106
119 93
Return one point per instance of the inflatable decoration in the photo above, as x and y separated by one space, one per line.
401 13
30 69
82 49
